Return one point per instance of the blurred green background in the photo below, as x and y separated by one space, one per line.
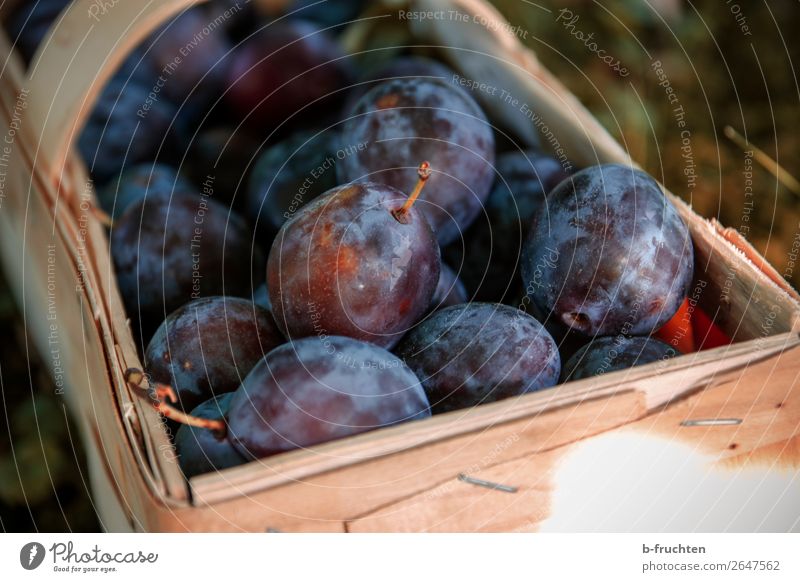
721 74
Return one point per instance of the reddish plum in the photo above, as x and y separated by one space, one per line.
282 68
353 263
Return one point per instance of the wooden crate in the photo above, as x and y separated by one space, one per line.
602 453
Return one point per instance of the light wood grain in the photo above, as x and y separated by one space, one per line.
769 435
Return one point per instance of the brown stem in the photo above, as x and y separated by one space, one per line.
103 217
162 392
424 172
762 158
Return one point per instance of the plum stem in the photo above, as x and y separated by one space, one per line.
163 392
424 172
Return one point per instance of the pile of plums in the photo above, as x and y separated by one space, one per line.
279 219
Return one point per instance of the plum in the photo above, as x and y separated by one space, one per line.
479 352
226 155
315 390
611 256
206 347
405 120
288 65
406 66
125 127
287 176
611 353
170 250
139 181
200 450
490 253
349 263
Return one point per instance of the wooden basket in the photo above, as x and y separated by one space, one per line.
507 466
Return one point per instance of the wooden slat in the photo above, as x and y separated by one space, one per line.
358 489
656 384
765 397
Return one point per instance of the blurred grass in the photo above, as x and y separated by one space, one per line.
720 76
42 469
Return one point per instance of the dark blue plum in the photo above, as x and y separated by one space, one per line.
319 389
170 250
138 182
480 352
492 247
188 53
125 127
329 13
224 155
405 121
286 177
407 66
612 255
208 346
201 451
611 353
